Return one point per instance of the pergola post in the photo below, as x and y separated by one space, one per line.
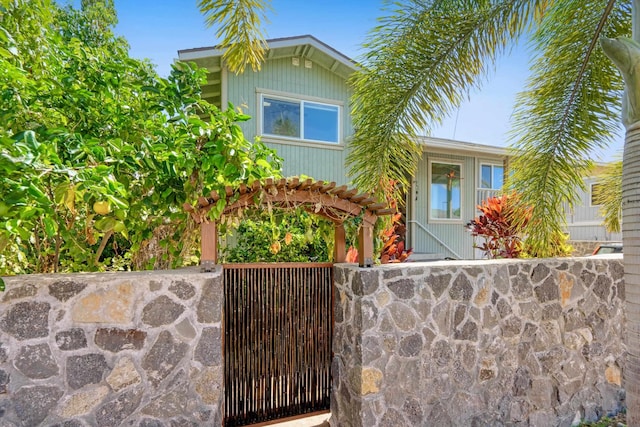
340 243
365 243
208 246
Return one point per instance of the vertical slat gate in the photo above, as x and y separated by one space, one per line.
278 325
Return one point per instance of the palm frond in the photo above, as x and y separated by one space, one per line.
422 61
240 28
608 194
571 107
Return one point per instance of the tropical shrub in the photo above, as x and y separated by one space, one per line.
98 153
279 236
393 249
499 226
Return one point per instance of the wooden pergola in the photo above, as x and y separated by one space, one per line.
336 203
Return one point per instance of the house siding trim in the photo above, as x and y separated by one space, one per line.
224 90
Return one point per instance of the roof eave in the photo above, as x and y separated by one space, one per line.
449 145
216 51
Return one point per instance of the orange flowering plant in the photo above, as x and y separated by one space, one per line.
500 223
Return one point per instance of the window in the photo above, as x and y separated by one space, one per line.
491 176
446 196
300 119
595 189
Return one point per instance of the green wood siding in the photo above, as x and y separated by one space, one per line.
456 241
317 160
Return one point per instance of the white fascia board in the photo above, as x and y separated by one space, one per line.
190 55
317 44
205 52
449 145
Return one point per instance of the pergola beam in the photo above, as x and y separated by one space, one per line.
320 198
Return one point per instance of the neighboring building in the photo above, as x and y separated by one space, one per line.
584 222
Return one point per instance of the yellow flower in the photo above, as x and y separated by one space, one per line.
275 247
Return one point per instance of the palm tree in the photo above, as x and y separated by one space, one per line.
626 54
608 194
240 28
425 57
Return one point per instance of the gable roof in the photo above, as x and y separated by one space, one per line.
304 46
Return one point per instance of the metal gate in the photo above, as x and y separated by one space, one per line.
278 325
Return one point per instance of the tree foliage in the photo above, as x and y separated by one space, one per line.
97 152
572 105
279 235
425 57
420 63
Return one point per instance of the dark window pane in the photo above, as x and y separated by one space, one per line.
485 176
280 117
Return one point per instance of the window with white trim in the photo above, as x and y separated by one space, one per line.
298 119
445 191
491 176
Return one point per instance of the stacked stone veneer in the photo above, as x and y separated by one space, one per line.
534 343
584 247
141 349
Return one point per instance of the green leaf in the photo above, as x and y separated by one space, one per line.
8 52
36 193
60 192
2 287
159 147
219 160
230 170
105 224
29 137
151 89
119 227
49 226
263 163
120 203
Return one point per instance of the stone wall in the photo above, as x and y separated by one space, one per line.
485 343
536 342
141 349
584 247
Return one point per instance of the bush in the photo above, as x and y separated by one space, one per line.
98 153
280 236
499 226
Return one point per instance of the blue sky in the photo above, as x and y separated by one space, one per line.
157 29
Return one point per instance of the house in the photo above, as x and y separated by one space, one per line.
300 105
452 178
584 220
